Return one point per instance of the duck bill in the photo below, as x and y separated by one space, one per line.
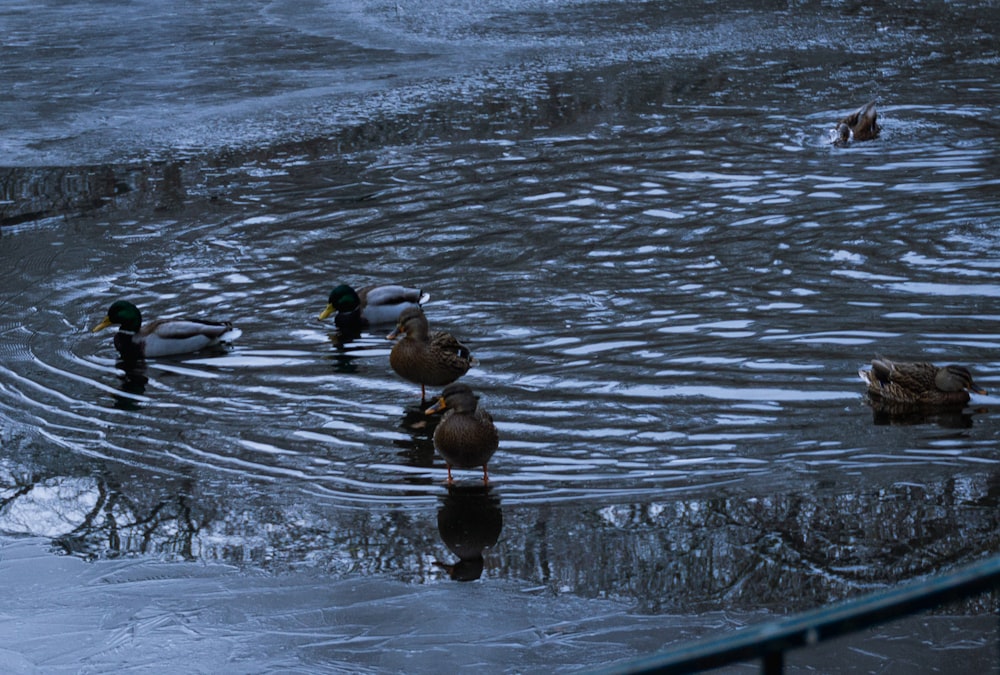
976 390
325 314
437 407
393 335
105 322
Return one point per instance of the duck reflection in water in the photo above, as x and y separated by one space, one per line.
885 414
469 521
344 358
134 382
417 448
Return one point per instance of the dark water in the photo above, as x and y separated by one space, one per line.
630 212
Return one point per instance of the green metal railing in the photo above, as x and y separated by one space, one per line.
769 642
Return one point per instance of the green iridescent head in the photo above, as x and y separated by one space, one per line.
344 299
122 313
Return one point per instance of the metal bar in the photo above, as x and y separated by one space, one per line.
808 628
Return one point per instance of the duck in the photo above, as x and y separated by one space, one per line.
425 358
163 337
919 383
466 436
860 125
373 304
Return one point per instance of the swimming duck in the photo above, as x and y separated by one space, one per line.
860 125
919 383
426 358
465 436
163 337
371 305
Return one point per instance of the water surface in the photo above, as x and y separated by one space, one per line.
636 221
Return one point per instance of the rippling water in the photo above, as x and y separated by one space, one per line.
668 275
650 316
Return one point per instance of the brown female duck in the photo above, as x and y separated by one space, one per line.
425 358
918 383
860 125
466 436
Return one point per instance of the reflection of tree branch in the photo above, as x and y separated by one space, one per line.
805 547
23 484
75 541
114 538
148 526
117 524
20 492
681 552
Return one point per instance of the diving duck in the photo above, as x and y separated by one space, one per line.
163 337
860 125
426 358
919 383
371 305
465 436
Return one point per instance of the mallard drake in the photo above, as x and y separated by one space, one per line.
425 358
371 305
860 125
163 337
918 383
465 436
